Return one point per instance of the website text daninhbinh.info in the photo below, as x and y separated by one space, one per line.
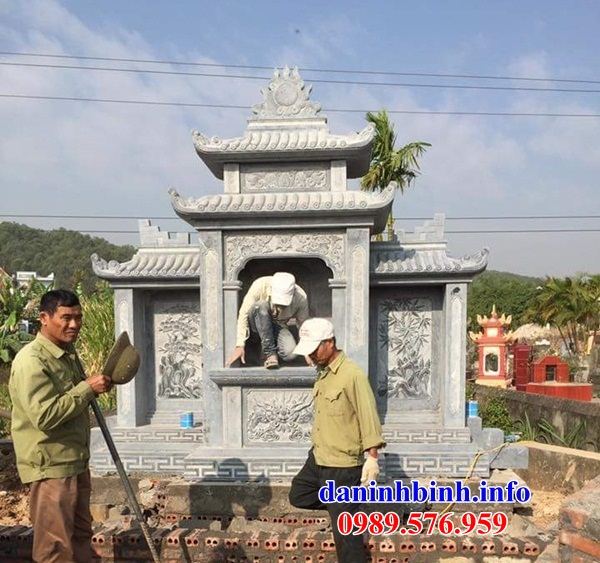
415 492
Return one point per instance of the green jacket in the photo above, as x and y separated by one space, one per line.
346 421
50 421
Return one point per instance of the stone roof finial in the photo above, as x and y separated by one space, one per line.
286 96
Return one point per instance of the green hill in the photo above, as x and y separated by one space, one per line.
66 253
511 293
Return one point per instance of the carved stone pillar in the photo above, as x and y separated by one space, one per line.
231 290
357 296
338 309
211 305
455 307
132 399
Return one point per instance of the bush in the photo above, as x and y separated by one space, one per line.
97 335
494 414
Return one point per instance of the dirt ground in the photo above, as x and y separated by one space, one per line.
14 505
545 505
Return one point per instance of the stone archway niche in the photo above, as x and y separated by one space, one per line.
312 275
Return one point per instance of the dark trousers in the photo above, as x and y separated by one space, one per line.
274 339
62 525
304 494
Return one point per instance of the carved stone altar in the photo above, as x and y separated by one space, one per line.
399 308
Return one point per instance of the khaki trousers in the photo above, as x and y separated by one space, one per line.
62 525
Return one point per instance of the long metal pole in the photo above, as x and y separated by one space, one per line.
124 479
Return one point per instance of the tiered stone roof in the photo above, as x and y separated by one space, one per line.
287 126
423 252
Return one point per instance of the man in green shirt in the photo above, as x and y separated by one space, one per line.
346 427
51 431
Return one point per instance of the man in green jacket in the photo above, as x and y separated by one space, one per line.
346 433
51 431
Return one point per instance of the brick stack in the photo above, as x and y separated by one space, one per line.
579 525
177 544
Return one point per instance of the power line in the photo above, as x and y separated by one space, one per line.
508 231
500 217
473 232
170 217
333 110
313 80
304 69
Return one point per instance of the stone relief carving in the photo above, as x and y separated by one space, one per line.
359 267
456 351
210 288
278 417
286 96
239 248
404 337
261 181
178 351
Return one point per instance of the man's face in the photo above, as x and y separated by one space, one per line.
63 326
323 353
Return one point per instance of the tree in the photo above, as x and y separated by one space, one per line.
389 164
17 304
572 305
512 294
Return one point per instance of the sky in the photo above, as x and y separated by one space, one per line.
91 158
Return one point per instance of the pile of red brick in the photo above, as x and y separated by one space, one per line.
579 525
202 544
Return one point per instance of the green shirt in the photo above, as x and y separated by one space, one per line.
50 423
346 421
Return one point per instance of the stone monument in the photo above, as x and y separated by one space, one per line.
399 308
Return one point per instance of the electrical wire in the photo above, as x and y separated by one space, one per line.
313 80
304 69
170 217
333 110
471 232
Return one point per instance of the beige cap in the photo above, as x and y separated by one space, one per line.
282 288
312 333
123 361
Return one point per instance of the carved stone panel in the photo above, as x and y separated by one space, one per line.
211 290
282 417
240 248
309 177
407 353
404 332
178 349
359 266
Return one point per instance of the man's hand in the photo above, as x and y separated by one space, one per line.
370 470
99 383
238 354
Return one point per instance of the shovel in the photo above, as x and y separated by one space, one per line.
121 366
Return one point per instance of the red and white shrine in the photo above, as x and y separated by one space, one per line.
550 376
492 345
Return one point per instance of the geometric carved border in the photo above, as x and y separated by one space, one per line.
458 436
240 248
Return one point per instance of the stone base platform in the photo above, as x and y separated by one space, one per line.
168 449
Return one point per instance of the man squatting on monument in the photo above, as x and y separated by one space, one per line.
51 431
346 426
271 302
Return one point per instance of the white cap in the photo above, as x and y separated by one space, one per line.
312 333
282 288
